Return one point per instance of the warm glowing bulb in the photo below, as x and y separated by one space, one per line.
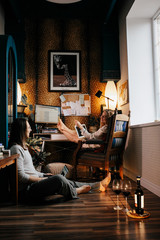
19 93
111 92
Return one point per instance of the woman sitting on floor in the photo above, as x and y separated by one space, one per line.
34 185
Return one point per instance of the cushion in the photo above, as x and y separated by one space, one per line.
56 168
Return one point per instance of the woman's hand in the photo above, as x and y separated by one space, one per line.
47 174
78 124
33 179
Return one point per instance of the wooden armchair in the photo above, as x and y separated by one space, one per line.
114 145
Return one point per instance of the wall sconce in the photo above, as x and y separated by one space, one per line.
111 93
19 93
20 106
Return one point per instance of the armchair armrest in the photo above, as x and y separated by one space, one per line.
94 141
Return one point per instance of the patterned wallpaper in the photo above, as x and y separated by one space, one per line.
55 34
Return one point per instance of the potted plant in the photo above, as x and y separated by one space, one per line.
93 123
38 156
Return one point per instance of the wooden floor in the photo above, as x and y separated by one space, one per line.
90 217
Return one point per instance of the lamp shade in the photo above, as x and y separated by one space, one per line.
111 93
19 94
98 94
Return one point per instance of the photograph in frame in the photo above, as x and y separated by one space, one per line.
64 71
123 93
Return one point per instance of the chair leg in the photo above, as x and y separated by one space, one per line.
75 173
90 172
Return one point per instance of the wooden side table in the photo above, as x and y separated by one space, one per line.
11 161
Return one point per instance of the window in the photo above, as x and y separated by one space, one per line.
156 46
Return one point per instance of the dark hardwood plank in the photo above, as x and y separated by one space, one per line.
90 217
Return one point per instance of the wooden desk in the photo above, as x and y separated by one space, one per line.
6 161
57 137
58 145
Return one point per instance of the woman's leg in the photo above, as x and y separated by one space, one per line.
70 134
57 184
101 186
62 127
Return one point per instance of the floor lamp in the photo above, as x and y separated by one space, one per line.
99 94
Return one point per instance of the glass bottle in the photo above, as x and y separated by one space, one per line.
139 198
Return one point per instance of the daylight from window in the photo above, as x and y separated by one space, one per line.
156 40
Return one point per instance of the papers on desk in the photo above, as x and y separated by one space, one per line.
58 137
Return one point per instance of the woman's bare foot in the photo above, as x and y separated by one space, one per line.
83 189
60 125
105 182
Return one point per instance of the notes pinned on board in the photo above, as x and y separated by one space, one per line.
76 105
62 98
81 99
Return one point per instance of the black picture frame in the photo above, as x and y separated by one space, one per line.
64 71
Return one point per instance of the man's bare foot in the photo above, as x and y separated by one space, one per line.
83 189
105 182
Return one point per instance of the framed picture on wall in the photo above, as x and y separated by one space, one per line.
123 93
64 71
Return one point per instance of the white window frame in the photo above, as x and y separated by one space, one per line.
156 52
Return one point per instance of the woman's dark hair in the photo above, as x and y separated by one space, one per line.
17 133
